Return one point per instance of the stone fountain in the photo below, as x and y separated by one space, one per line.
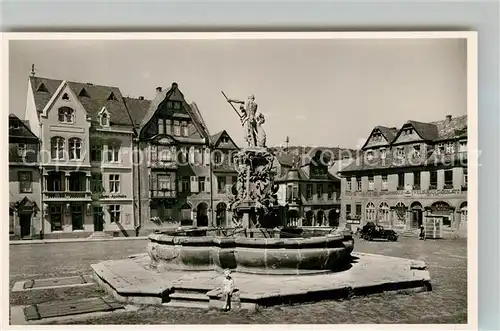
181 269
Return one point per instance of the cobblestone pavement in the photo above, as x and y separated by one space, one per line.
447 303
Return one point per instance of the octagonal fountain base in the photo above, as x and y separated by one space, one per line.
189 275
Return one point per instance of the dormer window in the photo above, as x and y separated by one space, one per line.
42 88
224 140
463 147
104 118
400 152
66 115
440 149
416 151
83 93
112 97
449 148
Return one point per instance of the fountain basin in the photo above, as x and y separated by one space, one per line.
279 256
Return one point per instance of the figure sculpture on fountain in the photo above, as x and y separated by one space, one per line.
254 191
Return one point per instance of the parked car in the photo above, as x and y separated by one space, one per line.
372 231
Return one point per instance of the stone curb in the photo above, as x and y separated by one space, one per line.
52 241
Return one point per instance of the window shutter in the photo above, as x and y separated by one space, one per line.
191 155
180 185
207 156
194 184
207 184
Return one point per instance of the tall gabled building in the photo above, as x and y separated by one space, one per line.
86 138
178 181
24 181
402 175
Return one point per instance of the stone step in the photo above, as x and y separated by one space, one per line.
189 297
99 235
187 304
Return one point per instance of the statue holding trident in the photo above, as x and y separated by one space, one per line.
247 117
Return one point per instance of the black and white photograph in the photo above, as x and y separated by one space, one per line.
241 178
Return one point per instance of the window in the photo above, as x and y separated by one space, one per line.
359 184
416 151
66 115
185 131
96 183
206 156
370 212
114 213
416 180
177 128
75 149
163 183
401 181
384 211
433 180
217 157
385 184
161 126
77 217
57 148
349 184
309 191
448 179
449 148
114 152
400 152
400 213
65 97
104 119
42 88
369 155
382 153
358 210
25 182
201 184
55 212
221 184
21 150
348 210
463 147
330 191
112 97
440 149
371 183
114 183
168 126
54 182
184 187
465 179
96 152
173 104
83 93
319 190
191 155
224 140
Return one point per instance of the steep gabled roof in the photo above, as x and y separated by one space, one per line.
137 109
19 128
388 133
215 138
426 131
174 94
97 98
456 127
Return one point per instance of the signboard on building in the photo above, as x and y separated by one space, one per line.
433 226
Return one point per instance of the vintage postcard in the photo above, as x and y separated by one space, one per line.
233 178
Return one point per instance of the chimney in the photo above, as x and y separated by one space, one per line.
141 98
158 89
448 118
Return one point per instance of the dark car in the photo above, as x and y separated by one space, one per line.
372 231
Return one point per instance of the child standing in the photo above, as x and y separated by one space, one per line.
227 289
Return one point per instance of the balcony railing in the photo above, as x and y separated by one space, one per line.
67 195
163 194
158 164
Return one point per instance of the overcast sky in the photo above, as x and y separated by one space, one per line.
318 92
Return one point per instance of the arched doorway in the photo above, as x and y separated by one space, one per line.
441 208
333 218
416 215
309 218
400 210
186 218
320 218
292 217
370 212
202 214
383 212
221 214
463 212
